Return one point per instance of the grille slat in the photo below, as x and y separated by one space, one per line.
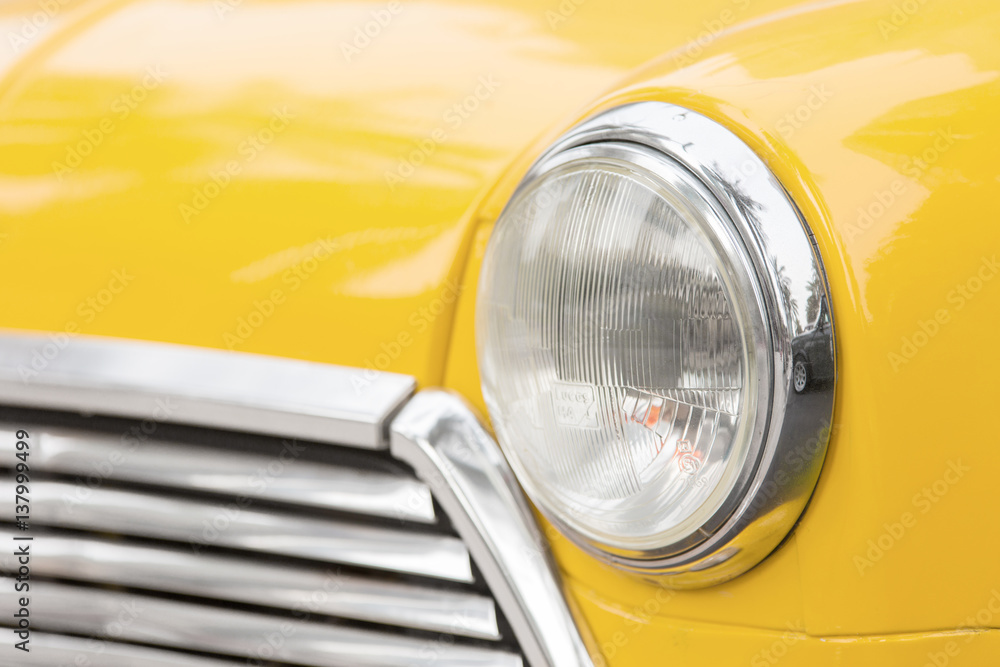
143 619
201 524
281 476
50 650
321 590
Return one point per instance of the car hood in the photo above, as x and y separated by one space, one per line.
288 178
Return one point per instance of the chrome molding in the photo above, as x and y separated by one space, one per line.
796 423
199 524
188 468
57 607
438 434
361 597
201 387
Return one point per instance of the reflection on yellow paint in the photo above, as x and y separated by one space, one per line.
398 279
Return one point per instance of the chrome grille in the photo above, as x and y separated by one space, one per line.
264 511
197 544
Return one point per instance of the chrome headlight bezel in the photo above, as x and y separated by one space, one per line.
723 177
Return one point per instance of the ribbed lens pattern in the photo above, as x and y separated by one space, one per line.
612 357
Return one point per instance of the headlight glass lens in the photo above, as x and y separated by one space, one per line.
623 348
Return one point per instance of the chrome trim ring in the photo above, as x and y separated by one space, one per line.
782 470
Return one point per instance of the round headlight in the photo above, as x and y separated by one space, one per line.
635 336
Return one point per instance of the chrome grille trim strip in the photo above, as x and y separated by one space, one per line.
201 387
439 435
278 476
200 524
290 587
51 650
169 623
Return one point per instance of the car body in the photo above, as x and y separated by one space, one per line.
319 180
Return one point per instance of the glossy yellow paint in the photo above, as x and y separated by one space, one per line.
345 263
290 178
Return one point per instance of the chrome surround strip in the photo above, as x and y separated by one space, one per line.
199 524
781 477
291 587
279 475
200 387
438 434
57 607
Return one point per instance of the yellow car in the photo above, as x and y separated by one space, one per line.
551 334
